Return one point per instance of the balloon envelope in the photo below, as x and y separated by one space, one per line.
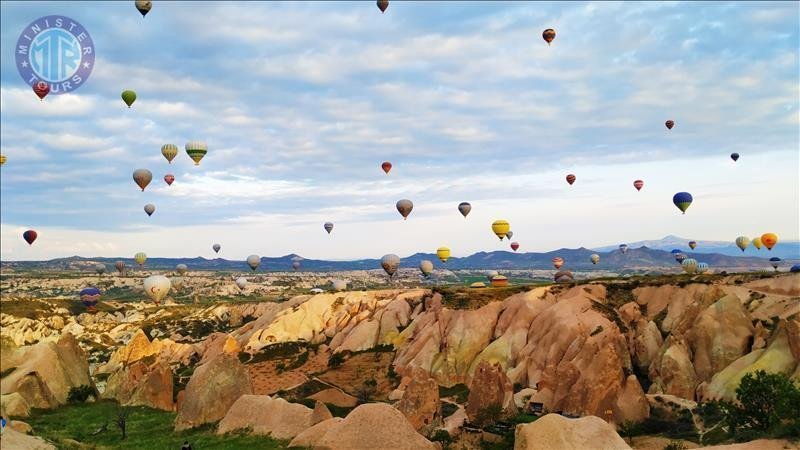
144 6
689 265
570 179
595 258
669 124
426 267
196 150
443 253
510 234
491 274
769 240
682 200
623 248
514 246
90 296
254 261
100 268
216 248
120 266
386 166
140 258
742 242
558 262
170 151
775 261
548 35
149 209
241 283
30 236
404 207
182 268
500 228
157 287
702 267
692 244
795 268
638 184
735 157
382 5
128 97
680 257
41 89
177 283
390 263
142 177
295 265
169 178
757 243
328 227
464 208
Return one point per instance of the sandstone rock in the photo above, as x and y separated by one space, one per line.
396 394
267 416
212 389
14 440
673 372
720 335
557 432
22 427
362 337
335 397
216 344
142 384
490 387
420 403
370 426
14 405
454 422
631 405
522 397
670 407
321 413
646 344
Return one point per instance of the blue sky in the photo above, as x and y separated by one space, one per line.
300 103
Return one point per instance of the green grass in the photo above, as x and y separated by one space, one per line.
459 391
147 429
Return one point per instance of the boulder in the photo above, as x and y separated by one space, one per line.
321 413
22 427
335 397
142 384
218 343
370 426
721 334
673 372
420 403
14 405
522 397
14 440
210 392
631 404
557 432
268 416
490 387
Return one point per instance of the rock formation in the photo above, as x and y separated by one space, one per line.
557 432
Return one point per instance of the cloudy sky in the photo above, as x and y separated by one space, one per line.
301 102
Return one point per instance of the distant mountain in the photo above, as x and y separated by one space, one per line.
784 249
642 258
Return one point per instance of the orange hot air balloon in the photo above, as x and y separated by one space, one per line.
769 240
169 178
570 179
41 89
548 35
386 166
638 184
558 262
669 124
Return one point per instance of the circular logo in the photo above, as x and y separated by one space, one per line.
56 50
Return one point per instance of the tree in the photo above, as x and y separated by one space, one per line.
766 399
122 419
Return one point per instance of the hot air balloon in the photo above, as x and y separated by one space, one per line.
464 208
157 287
170 151
3 159
775 261
675 251
757 243
769 240
742 242
689 265
128 97
182 269
241 283
142 177
177 283
682 200
386 166
680 257
296 265
169 178
120 266
196 150
638 184
735 157
692 244
514 245
795 268
702 267
382 5
100 268
253 261
558 262
149 209
548 35
669 124
29 236
41 89
390 263
570 179
564 276
595 258
216 248
491 274
500 228
338 285
510 234
623 248
90 296
404 207
328 227
426 267
140 258
443 253
143 6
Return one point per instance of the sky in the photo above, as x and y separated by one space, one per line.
299 104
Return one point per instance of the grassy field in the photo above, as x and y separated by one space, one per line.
72 426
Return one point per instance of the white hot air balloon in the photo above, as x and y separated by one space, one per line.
241 283
254 261
157 287
338 285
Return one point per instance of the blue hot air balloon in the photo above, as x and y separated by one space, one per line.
795 268
90 296
675 251
775 261
735 157
680 257
682 200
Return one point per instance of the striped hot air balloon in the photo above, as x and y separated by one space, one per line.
558 262
549 35
390 264
90 296
742 242
570 179
196 150
638 184
169 178
170 151
140 258
682 200
689 265
142 177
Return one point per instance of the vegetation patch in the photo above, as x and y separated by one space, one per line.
611 314
272 352
460 392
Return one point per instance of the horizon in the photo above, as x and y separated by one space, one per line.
301 102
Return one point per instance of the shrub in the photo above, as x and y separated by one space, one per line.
488 415
766 399
443 437
80 394
675 445
597 330
336 360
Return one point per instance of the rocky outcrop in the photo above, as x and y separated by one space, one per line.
721 334
490 387
268 416
14 405
335 397
212 389
141 347
557 432
47 371
670 407
631 402
142 384
420 403
370 426
14 440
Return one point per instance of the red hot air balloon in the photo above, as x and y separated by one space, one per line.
41 89
382 5
570 179
548 35
29 236
669 124
386 166
514 246
638 184
169 178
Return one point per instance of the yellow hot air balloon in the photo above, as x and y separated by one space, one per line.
500 228
196 150
2 159
757 243
140 258
769 240
170 151
742 242
443 253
